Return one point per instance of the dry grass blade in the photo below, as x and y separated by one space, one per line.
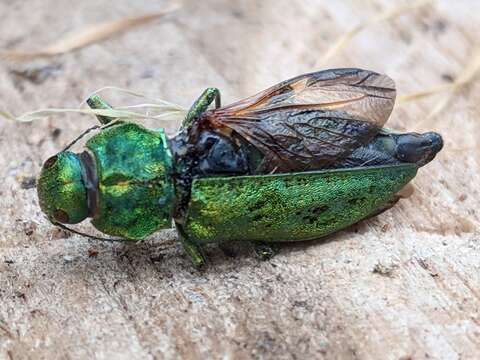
88 36
171 115
424 93
466 76
155 109
344 39
463 79
157 102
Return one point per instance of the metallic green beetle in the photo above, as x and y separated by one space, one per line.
298 161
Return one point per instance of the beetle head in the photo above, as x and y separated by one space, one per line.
418 148
61 190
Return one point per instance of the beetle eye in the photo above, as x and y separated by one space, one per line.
50 162
61 216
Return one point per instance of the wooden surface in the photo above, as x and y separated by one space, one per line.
403 285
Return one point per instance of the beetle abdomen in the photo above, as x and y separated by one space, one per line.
290 207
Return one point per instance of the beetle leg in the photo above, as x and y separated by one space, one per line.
192 249
201 105
96 102
265 251
194 252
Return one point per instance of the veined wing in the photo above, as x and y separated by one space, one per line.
312 120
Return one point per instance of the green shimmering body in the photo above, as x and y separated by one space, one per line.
135 191
289 207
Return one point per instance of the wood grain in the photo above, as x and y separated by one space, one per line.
403 285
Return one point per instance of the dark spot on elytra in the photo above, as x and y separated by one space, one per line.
258 205
319 209
356 201
310 219
312 214
257 217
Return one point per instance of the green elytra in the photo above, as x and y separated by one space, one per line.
134 193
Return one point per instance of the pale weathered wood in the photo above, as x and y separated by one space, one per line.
403 285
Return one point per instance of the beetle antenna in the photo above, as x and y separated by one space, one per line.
95 127
81 136
61 226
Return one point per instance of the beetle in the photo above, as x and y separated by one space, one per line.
298 161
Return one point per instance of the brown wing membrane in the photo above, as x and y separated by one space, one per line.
312 120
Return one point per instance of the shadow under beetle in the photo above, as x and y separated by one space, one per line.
298 161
